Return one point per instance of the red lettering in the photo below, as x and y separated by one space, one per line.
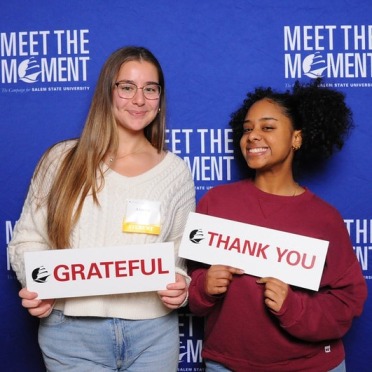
143 267
94 271
133 265
280 254
296 259
261 251
64 273
235 245
119 267
293 258
312 262
223 241
212 236
107 267
251 250
61 273
156 265
77 269
160 265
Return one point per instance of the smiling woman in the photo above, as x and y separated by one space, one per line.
132 108
280 327
268 141
82 195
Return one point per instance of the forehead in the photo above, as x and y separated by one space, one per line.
138 70
265 108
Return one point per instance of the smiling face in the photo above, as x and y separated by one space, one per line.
134 114
268 138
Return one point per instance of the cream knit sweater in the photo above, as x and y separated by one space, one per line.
169 182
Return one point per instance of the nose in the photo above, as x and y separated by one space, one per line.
254 135
139 97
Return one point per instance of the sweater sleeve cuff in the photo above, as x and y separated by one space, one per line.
184 274
186 300
206 298
291 310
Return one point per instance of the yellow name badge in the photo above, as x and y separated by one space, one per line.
142 217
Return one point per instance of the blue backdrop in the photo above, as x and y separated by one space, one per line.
212 53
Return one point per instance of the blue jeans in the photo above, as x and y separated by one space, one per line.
89 344
216 367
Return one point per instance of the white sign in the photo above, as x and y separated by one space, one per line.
295 259
99 271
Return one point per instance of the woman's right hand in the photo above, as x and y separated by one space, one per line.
35 306
219 277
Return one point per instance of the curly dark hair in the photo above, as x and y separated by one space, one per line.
318 111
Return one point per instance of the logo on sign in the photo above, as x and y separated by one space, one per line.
196 236
40 274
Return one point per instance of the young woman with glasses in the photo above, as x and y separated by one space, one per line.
80 194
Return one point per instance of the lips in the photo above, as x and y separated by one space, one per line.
137 113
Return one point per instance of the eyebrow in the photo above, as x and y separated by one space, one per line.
132 82
262 119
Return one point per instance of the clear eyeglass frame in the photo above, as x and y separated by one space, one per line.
129 90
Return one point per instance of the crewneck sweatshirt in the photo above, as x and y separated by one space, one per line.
305 335
169 182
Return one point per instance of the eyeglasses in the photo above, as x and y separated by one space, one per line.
129 90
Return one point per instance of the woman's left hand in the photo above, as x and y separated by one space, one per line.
175 294
275 292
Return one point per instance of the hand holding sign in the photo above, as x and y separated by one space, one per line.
275 292
219 277
35 306
259 251
175 294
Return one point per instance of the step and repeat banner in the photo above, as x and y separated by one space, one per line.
212 53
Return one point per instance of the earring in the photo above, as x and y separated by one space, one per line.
296 148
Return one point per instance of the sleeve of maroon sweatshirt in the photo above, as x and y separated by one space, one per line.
200 303
328 313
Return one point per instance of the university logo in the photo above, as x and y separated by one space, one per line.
29 70
339 53
314 65
40 274
196 236
47 56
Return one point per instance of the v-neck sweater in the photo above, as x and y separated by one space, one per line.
169 183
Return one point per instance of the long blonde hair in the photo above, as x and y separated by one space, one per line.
81 170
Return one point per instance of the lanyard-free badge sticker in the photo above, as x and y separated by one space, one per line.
142 216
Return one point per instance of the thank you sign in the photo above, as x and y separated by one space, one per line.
295 259
99 271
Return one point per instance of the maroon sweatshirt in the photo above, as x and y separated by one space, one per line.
305 335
